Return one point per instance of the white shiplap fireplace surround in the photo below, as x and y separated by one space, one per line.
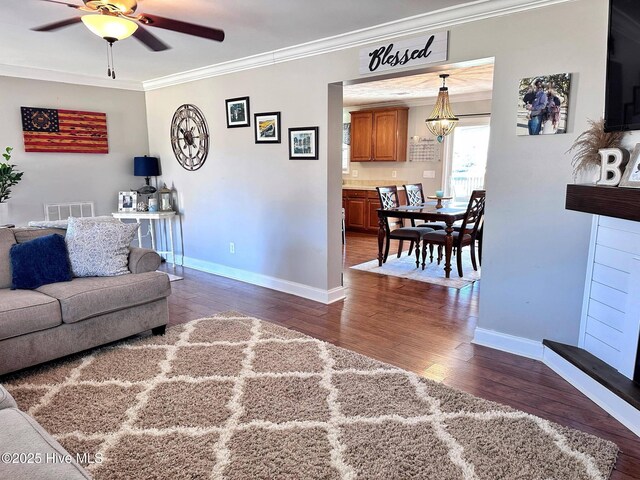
605 365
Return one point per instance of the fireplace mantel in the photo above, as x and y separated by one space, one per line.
616 202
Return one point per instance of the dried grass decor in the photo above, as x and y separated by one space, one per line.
588 144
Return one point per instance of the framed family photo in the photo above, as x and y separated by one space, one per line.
238 114
267 127
303 143
543 104
127 201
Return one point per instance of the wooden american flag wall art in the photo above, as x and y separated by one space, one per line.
67 131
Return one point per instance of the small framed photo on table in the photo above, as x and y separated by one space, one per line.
303 143
127 201
631 175
238 114
267 127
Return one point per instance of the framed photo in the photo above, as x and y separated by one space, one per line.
543 104
238 114
303 143
631 175
267 127
127 201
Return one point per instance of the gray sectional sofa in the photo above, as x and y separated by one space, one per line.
28 451
68 317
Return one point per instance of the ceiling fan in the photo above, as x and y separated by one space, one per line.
116 20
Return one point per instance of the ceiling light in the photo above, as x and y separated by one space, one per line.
110 27
442 120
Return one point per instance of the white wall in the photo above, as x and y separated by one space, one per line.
69 177
278 211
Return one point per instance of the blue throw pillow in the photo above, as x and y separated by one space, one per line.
39 261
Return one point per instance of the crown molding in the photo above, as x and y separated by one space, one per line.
447 17
67 77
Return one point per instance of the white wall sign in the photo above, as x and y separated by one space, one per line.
406 53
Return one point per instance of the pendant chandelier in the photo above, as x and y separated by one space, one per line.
442 120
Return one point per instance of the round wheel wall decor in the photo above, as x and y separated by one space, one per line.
189 137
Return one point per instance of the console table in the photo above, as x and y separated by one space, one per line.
162 218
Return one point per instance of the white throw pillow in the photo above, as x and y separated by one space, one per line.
99 248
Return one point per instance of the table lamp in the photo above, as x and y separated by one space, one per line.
146 167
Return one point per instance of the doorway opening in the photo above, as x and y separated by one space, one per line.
455 166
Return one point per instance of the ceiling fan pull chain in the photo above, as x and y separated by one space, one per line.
108 62
113 68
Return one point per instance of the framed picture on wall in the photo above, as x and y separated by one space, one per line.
127 201
303 143
543 104
267 127
238 114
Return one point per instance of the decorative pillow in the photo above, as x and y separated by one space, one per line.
39 261
98 248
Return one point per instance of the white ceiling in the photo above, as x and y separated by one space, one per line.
464 83
251 26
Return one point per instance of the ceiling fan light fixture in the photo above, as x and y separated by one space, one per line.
110 27
442 120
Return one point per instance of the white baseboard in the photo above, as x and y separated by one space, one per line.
298 289
604 398
508 343
601 396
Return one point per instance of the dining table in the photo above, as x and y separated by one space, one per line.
428 212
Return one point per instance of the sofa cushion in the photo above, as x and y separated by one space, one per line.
20 434
90 296
6 400
26 234
7 239
97 248
26 311
39 262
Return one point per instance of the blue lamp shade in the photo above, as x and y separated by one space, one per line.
146 167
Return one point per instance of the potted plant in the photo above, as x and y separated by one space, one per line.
9 177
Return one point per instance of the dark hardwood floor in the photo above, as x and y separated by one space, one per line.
417 326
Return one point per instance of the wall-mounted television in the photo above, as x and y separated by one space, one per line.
622 102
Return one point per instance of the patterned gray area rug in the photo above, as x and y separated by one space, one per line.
405 267
233 397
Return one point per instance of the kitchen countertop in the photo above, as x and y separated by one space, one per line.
372 184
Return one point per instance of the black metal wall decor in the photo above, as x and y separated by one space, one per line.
189 137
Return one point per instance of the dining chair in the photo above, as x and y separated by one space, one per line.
478 237
389 199
415 197
463 236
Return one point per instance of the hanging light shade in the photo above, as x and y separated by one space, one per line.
442 120
110 27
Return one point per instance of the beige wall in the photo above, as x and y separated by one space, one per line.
66 177
283 215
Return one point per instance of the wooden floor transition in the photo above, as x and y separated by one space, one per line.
417 326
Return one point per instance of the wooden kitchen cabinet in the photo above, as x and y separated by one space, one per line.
379 135
361 210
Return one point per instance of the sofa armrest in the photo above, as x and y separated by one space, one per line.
143 260
6 400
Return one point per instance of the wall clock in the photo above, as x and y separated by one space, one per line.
189 137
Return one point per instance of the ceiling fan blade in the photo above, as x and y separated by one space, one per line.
150 40
182 27
64 3
57 25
